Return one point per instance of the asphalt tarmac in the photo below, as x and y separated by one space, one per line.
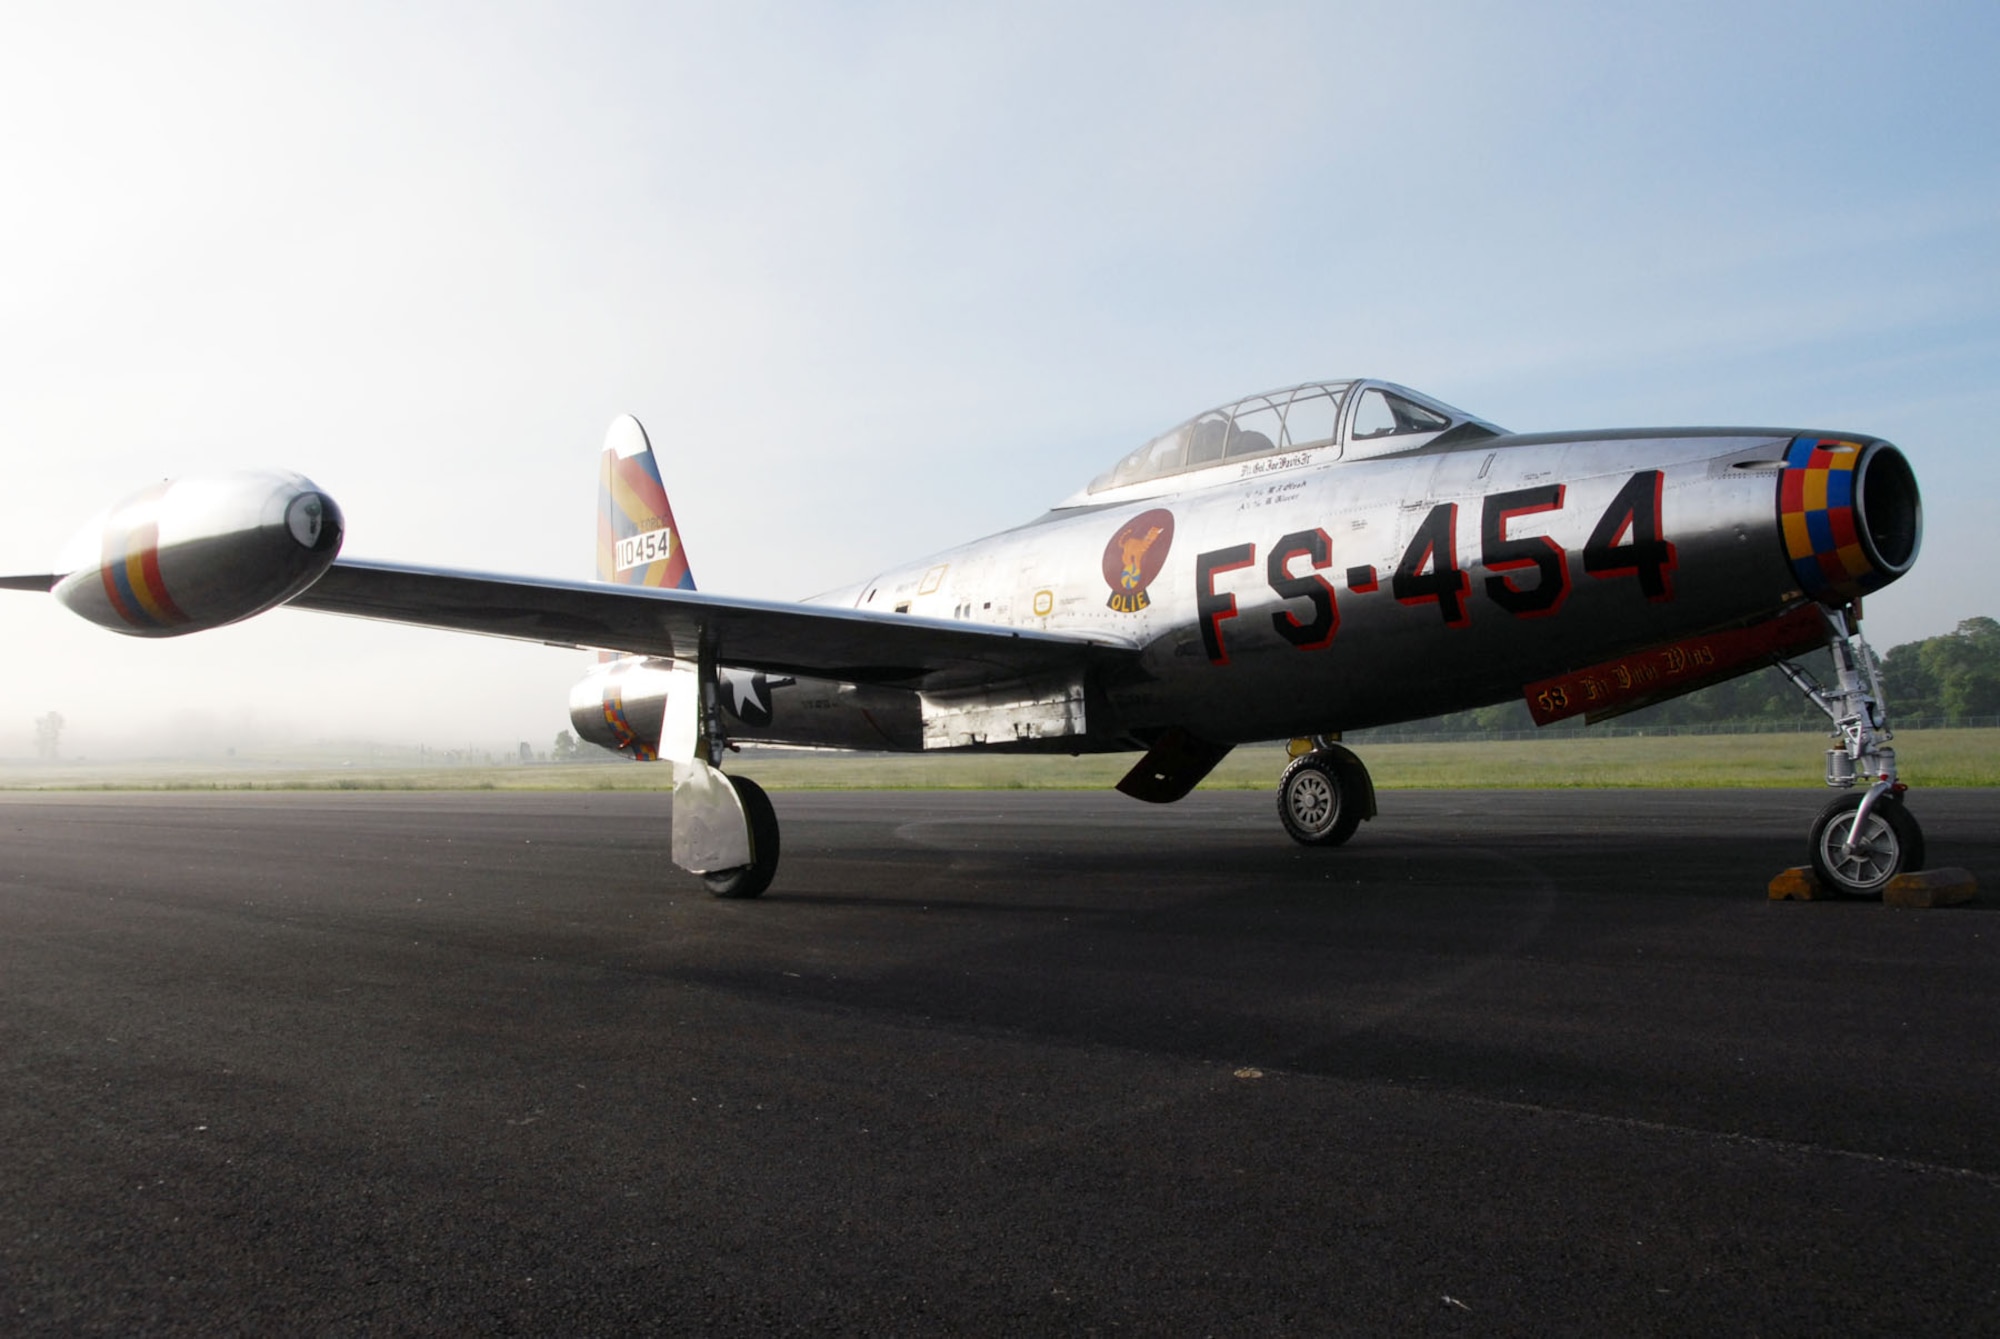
1510 1062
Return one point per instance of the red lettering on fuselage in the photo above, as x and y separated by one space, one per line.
1212 608
1628 541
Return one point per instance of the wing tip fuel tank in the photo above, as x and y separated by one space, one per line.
190 554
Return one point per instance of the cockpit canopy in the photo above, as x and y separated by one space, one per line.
1318 422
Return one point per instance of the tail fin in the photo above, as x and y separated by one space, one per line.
637 541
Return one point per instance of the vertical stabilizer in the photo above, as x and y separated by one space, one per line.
637 541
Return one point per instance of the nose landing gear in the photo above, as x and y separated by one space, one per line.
1860 857
1862 840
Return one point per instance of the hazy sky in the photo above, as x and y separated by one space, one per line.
880 278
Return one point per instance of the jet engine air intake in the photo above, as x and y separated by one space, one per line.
1890 509
1850 515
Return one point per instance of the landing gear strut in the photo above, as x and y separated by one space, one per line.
724 828
1862 840
1324 794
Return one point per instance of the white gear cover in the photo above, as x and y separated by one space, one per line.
711 831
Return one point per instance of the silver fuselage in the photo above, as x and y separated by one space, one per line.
1271 666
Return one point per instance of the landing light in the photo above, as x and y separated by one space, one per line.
305 517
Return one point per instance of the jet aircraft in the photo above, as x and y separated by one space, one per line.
1299 563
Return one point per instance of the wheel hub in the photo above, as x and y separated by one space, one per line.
1312 801
1871 857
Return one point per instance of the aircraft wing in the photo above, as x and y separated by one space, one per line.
819 641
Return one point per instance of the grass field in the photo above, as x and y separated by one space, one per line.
1926 757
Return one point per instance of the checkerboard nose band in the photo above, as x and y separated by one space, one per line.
1816 515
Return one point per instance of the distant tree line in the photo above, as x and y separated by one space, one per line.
1951 677
1940 680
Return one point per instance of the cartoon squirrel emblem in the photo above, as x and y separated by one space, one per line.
1134 556
1133 550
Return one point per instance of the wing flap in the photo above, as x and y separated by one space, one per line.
814 640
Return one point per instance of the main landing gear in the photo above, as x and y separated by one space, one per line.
1863 839
744 881
724 829
1324 794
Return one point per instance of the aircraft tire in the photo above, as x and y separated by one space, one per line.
747 881
1892 842
1320 799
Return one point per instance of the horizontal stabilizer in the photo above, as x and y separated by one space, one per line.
39 584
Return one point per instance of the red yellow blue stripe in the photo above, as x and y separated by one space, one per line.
130 567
